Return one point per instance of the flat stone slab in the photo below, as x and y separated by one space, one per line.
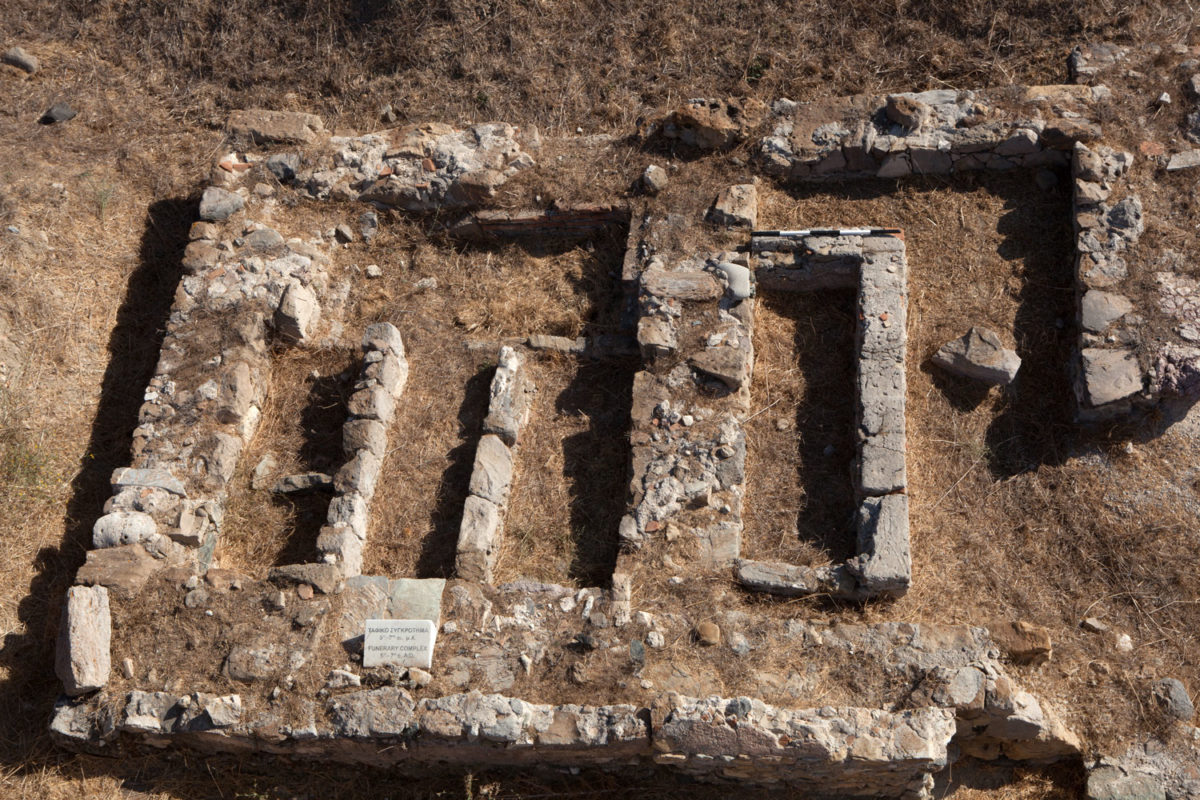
1110 375
491 476
285 127
980 355
399 642
1100 309
154 478
884 563
398 598
83 661
790 580
687 285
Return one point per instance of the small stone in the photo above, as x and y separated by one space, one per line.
195 598
654 179
1025 642
373 271
127 668
426 284
739 644
59 112
906 112
123 527
343 233
979 354
1164 99
708 634
16 57
304 591
218 204
262 472
1172 697
387 114
1093 625
419 678
736 207
655 639
368 224
1124 643
284 166
342 679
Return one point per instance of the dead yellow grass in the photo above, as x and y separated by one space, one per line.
85 282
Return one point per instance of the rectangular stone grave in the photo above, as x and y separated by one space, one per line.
399 642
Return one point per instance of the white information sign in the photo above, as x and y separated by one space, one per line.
399 642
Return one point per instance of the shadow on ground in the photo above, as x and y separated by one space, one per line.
27 694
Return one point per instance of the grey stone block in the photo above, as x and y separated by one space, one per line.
359 474
364 434
217 204
882 385
884 563
1098 310
298 313
491 476
736 207
508 404
789 580
349 510
1109 375
155 478
123 527
979 354
882 464
686 285
478 540
373 402
83 660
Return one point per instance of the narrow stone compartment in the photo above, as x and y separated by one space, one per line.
571 473
799 432
301 432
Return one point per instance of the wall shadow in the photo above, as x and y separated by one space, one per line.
596 463
823 431
133 346
1035 424
438 550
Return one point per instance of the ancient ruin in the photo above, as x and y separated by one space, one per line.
281 659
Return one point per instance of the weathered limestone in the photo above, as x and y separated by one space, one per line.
736 207
123 527
364 441
789 580
423 168
980 355
712 124
218 204
491 477
934 132
508 404
298 313
286 127
83 661
884 563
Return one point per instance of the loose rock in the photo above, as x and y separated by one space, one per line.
979 354
16 57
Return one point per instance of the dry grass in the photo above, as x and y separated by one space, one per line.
87 282
800 430
571 470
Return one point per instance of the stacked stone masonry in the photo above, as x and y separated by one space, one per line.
875 265
694 322
365 444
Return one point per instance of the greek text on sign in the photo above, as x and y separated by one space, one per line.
399 642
